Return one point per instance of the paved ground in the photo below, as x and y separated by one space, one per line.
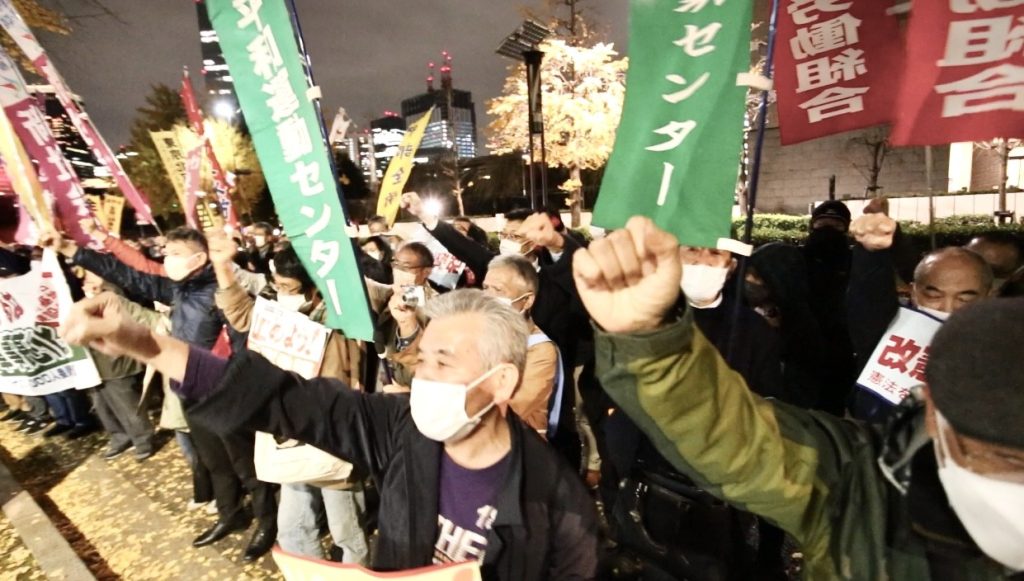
123 519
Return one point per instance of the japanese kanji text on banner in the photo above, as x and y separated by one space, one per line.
390 198
836 66
56 175
34 360
898 361
678 147
964 75
260 48
26 40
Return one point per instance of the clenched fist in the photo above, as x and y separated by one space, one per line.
874 231
629 281
539 230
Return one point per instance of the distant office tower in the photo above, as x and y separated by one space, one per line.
67 135
359 149
452 126
387 134
216 78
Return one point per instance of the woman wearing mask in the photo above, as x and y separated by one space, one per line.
343 502
376 259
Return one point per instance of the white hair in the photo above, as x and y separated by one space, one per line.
507 332
521 267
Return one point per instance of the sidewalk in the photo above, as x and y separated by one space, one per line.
82 517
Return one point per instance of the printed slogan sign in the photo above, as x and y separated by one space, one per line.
297 568
34 360
900 358
287 339
677 150
260 47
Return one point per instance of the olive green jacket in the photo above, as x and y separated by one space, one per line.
816 476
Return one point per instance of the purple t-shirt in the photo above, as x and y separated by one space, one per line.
466 510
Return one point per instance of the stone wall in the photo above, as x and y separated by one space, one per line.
794 176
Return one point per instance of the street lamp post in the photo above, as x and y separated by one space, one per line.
522 45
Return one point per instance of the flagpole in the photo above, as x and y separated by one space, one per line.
754 178
307 66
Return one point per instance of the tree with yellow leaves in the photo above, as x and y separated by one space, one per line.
582 91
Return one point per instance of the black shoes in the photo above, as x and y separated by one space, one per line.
56 430
221 529
262 541
81 431
13 416
32 426
115 451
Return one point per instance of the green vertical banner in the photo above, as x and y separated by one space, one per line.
260 47
678 147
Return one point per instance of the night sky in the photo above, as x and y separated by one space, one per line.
367 54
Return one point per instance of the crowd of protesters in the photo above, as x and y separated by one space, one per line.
619 408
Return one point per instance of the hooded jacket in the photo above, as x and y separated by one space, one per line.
816 476
546 526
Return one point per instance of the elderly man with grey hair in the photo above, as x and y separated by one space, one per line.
460 477
513 280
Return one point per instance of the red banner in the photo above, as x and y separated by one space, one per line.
964 78
836 62
56 175
220 182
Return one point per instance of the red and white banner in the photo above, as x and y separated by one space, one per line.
836 66
55 173
964 76
899 360
34 360
193 175
26 40
220 181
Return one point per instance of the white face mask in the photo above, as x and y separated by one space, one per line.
259 241
373 254
291 302
509 302
510 247
177 267
439 408
702 283
940 315
991 510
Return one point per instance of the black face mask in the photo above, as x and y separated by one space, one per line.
757 294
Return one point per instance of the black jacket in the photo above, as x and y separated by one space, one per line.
195 317
546 527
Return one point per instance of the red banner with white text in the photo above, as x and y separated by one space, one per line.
220 182
836 66
964 75
56 175
15 26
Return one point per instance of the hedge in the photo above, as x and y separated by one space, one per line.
951 231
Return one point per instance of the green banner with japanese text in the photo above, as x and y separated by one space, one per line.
260 47
678 147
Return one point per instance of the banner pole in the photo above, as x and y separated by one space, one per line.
307 67
754 178
762 121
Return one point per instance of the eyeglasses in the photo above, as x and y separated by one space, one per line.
510 236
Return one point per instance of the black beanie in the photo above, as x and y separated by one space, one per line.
832 209
976 371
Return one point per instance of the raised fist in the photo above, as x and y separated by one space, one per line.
222 248
629 281
874 231
539 230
